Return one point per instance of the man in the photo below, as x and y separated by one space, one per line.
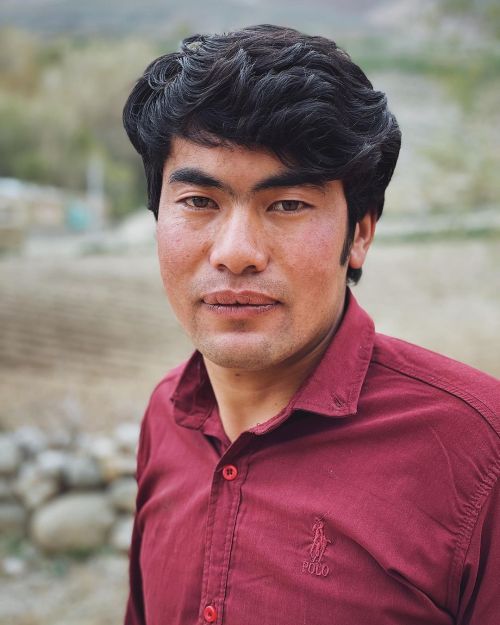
299 468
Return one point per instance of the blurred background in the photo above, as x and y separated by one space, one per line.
85 330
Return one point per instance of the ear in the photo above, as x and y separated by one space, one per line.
363 237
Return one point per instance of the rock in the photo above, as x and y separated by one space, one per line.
13 566
10 455
12 518
81 472
31 440
121 534
127 437
117 465
51 463
73 522
33 487
60 438
99 447
6 490
122 494
83 442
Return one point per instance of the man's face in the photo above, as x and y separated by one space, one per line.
250 256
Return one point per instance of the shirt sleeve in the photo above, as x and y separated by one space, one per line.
480 596
135 613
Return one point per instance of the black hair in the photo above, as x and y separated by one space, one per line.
270 87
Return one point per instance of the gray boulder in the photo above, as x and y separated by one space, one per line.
31 440
117 465
10 455
122 493
33 487
5 489
13 566
12 518
127 437
121 534
51 462
73 522
81 472
99 447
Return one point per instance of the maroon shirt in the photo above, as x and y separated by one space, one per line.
373 497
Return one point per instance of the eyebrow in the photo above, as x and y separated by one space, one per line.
291 178
287 178
192 175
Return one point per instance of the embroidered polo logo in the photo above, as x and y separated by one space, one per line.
315 564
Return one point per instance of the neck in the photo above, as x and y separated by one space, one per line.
246 398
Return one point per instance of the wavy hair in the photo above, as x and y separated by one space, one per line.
274 88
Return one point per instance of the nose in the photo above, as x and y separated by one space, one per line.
239 245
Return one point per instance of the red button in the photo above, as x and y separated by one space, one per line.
229 472
210 614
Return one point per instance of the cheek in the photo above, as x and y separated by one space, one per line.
179 249
314 256
317 279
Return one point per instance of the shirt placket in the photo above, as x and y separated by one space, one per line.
223 508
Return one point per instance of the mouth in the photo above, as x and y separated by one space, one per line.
238 298
239 303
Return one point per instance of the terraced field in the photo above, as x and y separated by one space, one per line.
82 339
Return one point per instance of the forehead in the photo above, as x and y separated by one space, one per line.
186 153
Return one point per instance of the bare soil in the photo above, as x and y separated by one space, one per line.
66 592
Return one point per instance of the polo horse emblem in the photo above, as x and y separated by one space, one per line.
320 541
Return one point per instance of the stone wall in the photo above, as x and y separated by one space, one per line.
67 491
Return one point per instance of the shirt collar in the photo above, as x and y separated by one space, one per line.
331 390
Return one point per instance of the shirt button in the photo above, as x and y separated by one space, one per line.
229 472
210 614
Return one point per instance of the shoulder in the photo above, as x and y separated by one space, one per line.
165 388
450 415
160 401
451 382
155 418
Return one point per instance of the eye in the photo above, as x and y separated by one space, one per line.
288 206
199 201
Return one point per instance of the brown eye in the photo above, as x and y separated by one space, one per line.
198 201
288 206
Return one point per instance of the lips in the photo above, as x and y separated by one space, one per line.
238 298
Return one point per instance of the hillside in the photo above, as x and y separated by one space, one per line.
158 18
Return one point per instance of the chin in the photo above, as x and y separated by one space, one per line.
252 356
